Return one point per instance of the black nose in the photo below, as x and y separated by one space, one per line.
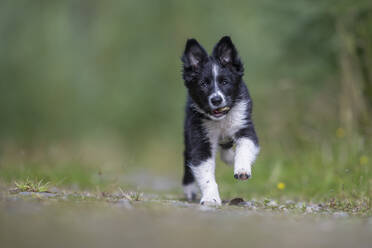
216 100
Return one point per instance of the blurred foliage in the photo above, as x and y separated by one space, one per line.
98 82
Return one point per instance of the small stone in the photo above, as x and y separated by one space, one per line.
315 208
290 202
272 204
236 201
90 195
301 205
309 210
340 214
248 204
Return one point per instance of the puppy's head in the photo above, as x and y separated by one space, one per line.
213 81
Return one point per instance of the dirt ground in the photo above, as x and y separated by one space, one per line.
130 219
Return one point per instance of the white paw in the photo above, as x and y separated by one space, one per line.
242 173
213 201
191 191
245 155
211 198
227 156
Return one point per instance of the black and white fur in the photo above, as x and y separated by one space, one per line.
218 116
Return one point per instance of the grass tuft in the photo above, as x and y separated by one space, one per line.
131 196
32 186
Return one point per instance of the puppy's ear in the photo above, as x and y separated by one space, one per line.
194 55
226 53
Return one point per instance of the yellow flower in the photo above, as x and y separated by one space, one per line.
340 132
280 186
363 160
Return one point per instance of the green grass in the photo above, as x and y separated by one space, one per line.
335 170
61 175
340 171
32 186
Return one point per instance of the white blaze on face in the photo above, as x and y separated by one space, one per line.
215 73
216 91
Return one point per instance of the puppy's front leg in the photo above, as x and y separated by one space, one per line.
245 155
204 176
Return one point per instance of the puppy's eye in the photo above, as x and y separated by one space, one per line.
224 82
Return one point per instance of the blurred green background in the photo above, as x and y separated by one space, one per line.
91 92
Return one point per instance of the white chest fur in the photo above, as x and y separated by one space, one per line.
221 130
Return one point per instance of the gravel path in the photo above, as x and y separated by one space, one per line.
130 219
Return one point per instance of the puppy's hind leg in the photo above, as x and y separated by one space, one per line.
227 153
190 188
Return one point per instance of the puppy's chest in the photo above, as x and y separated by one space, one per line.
225 129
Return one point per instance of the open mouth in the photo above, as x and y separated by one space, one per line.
220 111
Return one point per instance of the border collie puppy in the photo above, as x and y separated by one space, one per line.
218 116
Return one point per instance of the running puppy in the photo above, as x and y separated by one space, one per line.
218 115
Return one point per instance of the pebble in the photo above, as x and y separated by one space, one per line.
300 205
315 208
236 201
309 210
272 204
249 204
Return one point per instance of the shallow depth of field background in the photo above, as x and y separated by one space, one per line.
91 93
